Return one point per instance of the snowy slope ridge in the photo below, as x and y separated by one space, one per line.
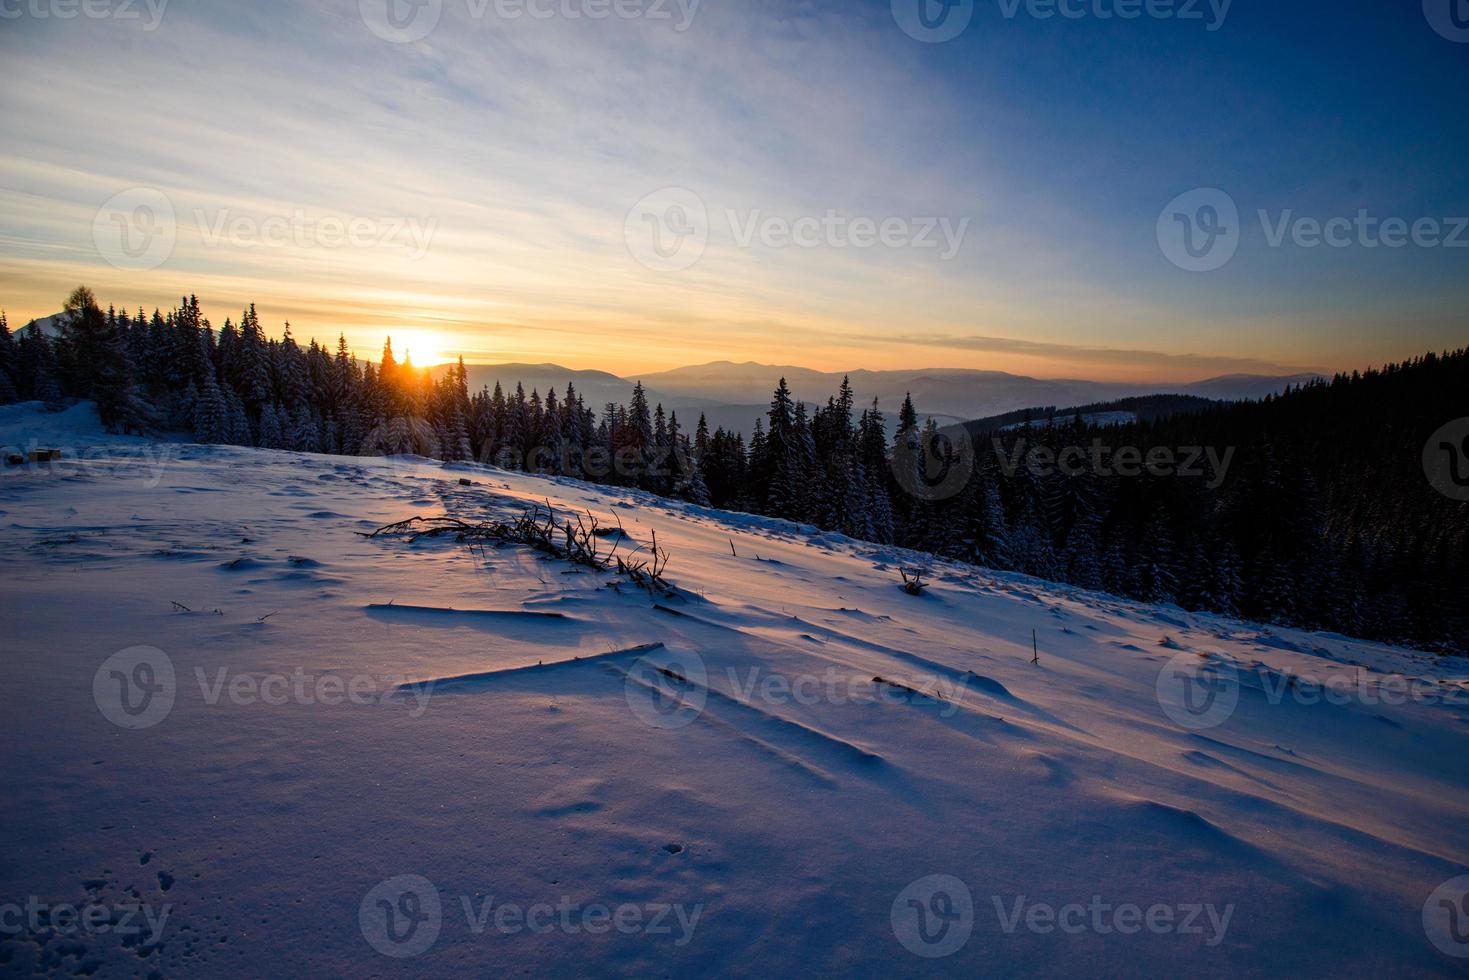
282 747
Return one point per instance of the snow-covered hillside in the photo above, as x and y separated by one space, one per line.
282 748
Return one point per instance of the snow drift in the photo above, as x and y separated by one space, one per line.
269 744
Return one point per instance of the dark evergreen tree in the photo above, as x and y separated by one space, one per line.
9 363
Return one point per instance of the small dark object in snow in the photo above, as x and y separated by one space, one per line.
914 585
466 483
673 848
14 459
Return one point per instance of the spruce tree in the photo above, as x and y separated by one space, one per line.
212 424
272 434
9 363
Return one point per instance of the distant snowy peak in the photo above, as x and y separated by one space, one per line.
49 326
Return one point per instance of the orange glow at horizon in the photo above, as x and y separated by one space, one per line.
581 327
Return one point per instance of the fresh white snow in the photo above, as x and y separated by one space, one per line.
370 757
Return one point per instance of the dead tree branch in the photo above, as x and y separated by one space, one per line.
578 542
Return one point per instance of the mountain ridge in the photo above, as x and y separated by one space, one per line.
734 394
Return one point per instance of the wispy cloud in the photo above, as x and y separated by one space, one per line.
524 143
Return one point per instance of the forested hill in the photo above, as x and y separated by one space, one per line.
1142 408
1324 515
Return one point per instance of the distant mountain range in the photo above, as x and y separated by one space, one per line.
955 393
598 388
734 395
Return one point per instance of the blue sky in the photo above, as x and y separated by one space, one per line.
501 171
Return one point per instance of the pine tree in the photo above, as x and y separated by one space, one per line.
304 435
253 379
659 477
636 437
689 483
292 384
909 466
872 453
100 370
272 435
783 468
239 421
9 391
9 364
701 436
1159 579
986 536
212 423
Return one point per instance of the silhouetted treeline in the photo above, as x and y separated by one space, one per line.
1327 518
1308 509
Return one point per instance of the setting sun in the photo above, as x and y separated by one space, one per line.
423 347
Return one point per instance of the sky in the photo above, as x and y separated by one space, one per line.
1047 187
